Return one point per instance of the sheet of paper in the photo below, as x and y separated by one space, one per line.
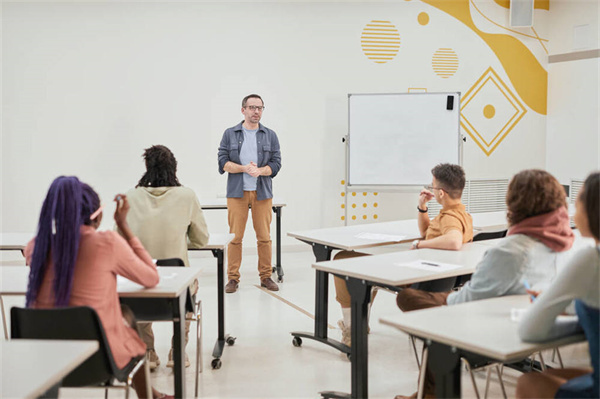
123 282
380 237
429 265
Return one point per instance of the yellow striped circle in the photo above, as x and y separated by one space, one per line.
445 62
380 41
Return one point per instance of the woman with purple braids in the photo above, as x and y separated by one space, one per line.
72 264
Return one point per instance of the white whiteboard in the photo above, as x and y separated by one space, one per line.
396 139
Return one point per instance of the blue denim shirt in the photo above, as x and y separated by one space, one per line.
269 153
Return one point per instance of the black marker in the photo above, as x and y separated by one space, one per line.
429 264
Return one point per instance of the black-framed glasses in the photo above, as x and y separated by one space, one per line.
255 108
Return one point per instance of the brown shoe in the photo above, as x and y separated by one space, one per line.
269 284
232 286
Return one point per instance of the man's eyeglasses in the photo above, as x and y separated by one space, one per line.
433 188
255 108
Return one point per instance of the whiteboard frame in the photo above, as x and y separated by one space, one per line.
395 187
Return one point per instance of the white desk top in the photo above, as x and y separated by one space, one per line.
216 241
345 237
383 269
31 367
14 241
483 327
221 203
173 281
489 221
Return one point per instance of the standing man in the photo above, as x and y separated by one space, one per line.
250 153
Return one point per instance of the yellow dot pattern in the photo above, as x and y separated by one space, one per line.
380 41
423 18
489 111
445 63
354 205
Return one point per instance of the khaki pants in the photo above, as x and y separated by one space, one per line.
145 329
237 213
341 289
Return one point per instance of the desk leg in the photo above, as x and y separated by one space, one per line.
222 338
278 268
179 344
361 296
444 363
322 253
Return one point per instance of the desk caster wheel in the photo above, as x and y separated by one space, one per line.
349 356
216 364
280 279
297 342
274 269
230 341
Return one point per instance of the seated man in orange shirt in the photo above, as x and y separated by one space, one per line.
449 230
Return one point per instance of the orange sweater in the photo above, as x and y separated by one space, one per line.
102 256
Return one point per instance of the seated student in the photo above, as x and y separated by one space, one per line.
168 219
577 281
539 230
72 264
449 230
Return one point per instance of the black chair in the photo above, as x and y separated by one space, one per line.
149 310
77 323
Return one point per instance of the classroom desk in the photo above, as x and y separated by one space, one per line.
324 241
481 327
173 286
217 244
31 367
363 273
221 203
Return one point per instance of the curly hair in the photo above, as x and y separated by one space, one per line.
161 168
590 196
533 192
451 177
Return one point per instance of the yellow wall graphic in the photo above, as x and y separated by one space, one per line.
445 62
380 41
526 74
489 111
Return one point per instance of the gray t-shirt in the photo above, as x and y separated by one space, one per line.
249 153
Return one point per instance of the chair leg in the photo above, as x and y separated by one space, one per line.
198 345
542 361
105 393
470 370
147 373
499 371
412 340
3 318
562 366
422 372
487 382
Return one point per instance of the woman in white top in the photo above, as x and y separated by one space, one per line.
168 219
577 282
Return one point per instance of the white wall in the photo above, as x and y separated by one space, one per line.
87 86
573 132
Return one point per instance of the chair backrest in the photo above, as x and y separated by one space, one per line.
489 235
71 323
147 309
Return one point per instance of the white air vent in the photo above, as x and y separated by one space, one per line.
576 186
479 196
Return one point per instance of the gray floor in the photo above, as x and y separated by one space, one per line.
264 364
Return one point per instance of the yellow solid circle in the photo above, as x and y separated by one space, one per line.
375 205
365 205
364 216
343 181
343 206
353 205
343 194
365 194
353 217
343 218
354 194
374 216
374 193
423 18
489 111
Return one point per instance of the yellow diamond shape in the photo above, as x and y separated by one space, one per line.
489 111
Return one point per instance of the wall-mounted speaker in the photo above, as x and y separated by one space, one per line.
521 13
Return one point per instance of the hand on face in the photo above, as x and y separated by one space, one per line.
121 210
424 197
